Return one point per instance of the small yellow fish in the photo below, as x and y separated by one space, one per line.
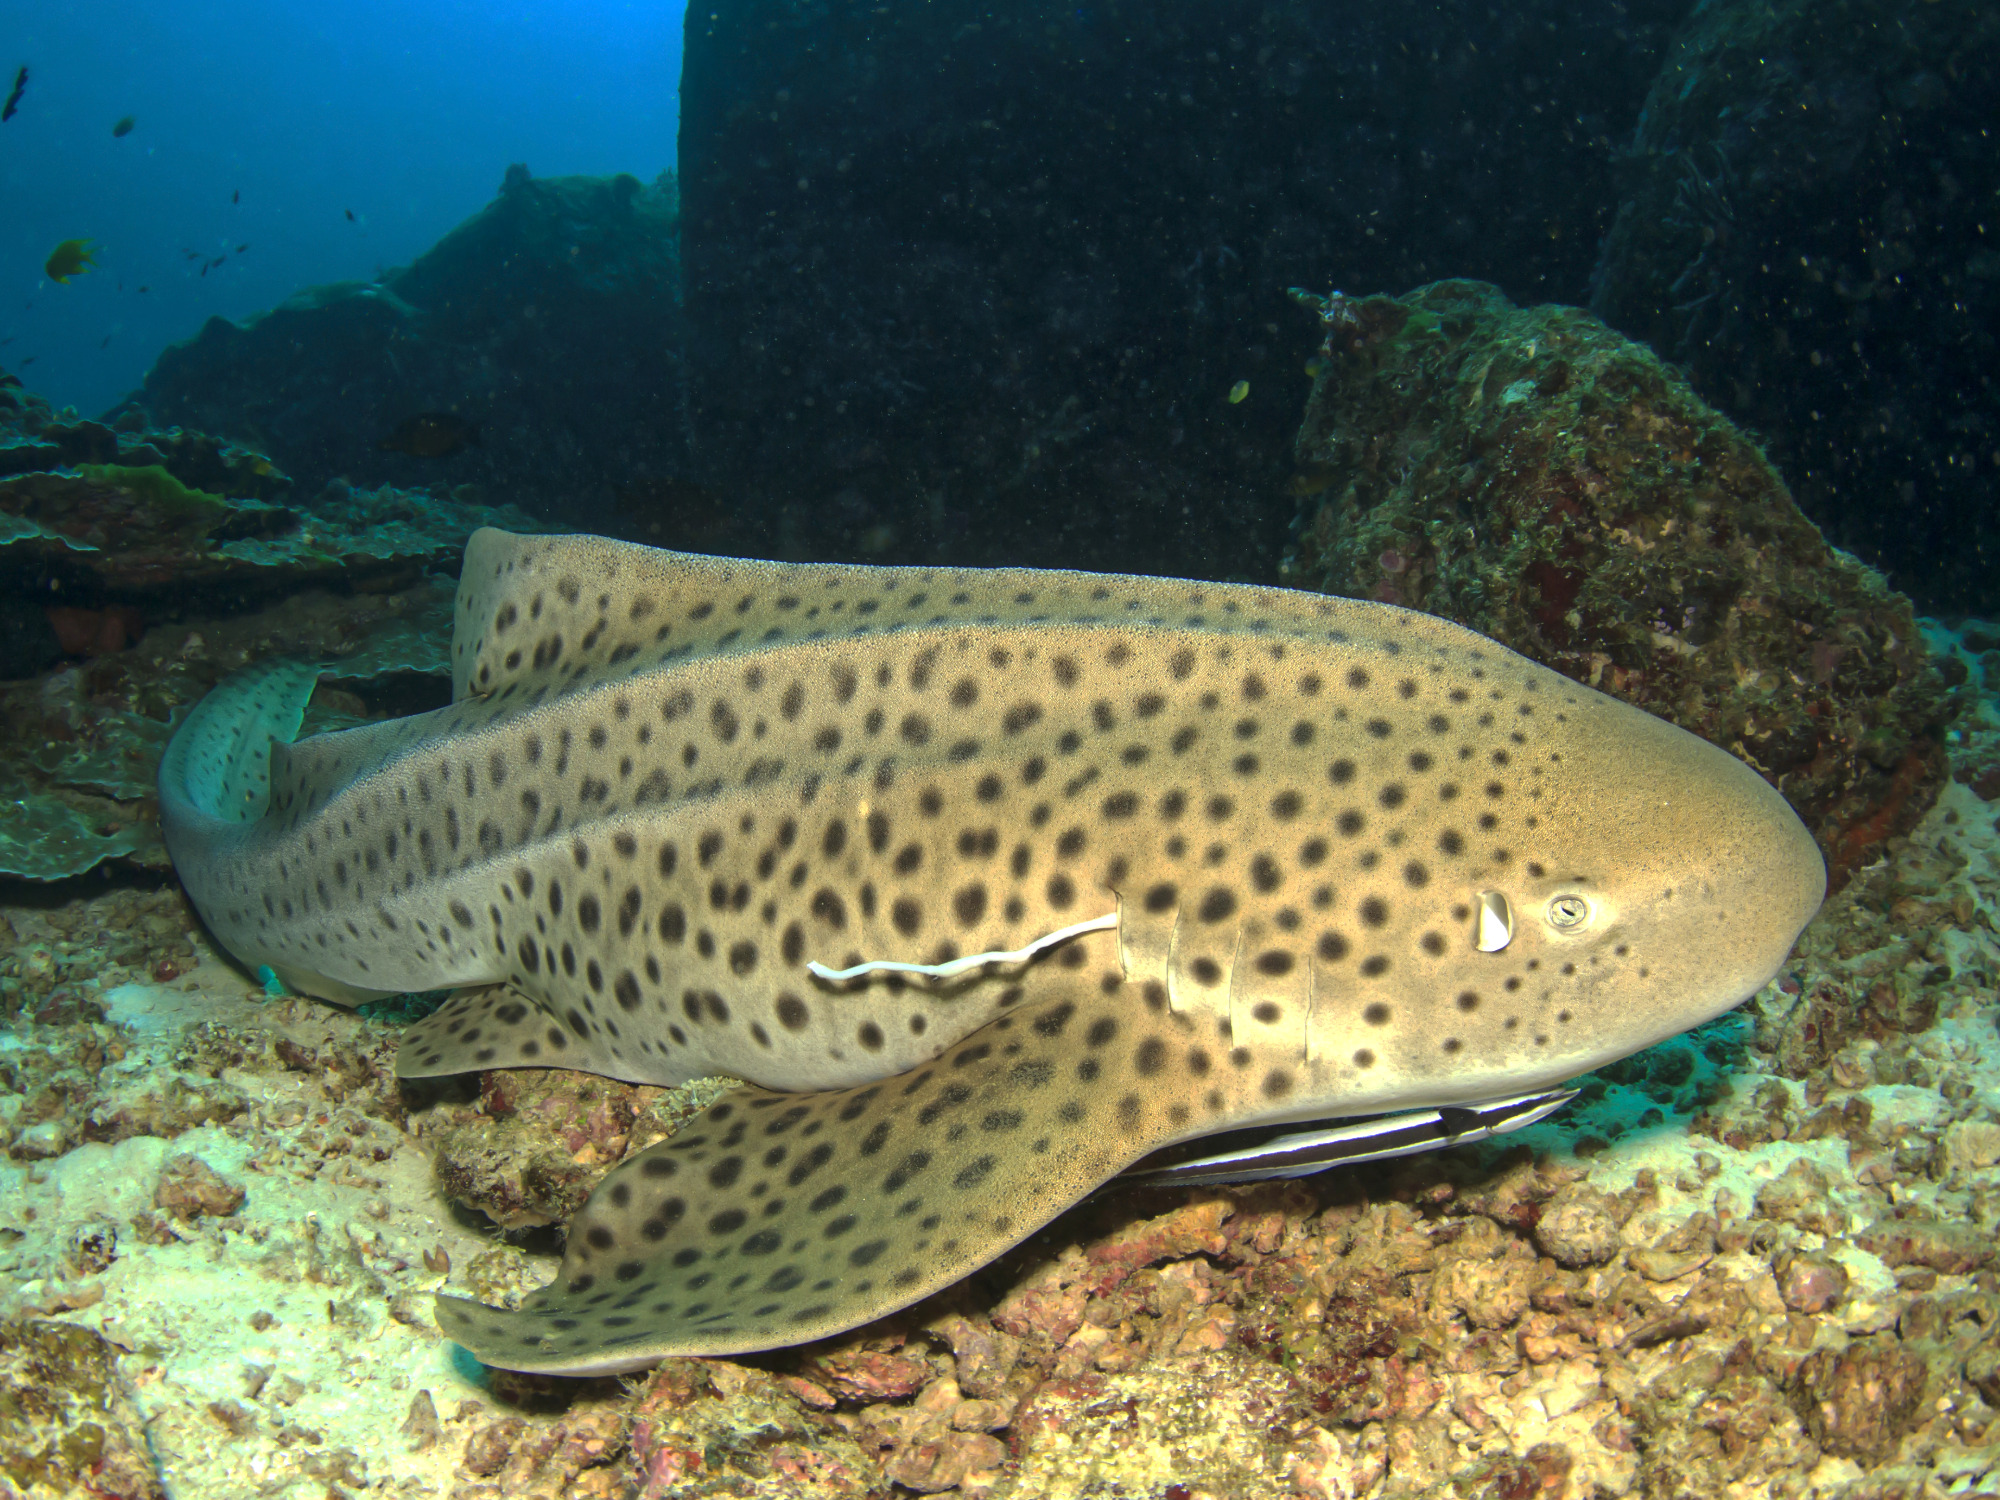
70 258
1313 367
1238 391
1301 485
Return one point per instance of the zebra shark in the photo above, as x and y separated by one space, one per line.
989 884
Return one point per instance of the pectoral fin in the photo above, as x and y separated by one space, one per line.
774 1219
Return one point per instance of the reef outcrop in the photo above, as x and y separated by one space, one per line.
1546 481
139 564
542 335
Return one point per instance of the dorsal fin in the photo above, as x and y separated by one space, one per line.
540 616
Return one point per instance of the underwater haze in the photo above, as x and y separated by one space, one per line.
331 140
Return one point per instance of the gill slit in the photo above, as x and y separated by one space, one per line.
1306 1046
1229 994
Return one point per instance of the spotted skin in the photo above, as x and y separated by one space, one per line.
667 783
776 1213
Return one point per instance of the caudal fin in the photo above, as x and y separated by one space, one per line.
218 764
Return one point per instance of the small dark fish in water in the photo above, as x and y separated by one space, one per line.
241 248
123 128
237 196
431 434
13 104
70 258
350 216
145 289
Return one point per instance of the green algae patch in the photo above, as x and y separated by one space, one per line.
68 1423
186 509
1538 477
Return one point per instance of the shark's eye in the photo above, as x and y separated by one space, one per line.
1566 913
1492 922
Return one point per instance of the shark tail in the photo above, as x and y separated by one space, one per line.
215 786
217 768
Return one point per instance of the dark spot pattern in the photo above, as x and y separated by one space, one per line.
715 773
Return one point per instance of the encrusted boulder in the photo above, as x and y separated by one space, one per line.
538 1144
1858 1402
1544 480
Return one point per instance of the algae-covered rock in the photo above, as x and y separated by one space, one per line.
80 746
68 1423
143 523
540 1142
542 1138
34 436
133 533
1859 1401
1536 476
142 565
1806 225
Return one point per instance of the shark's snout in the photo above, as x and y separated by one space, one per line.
1709 875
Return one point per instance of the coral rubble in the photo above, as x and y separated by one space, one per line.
1536 476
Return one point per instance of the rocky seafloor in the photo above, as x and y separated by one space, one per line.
1757 1260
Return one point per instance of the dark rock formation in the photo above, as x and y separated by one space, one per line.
977 283
547 324
1808 225
1531 474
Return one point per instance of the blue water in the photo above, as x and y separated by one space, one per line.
404 112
